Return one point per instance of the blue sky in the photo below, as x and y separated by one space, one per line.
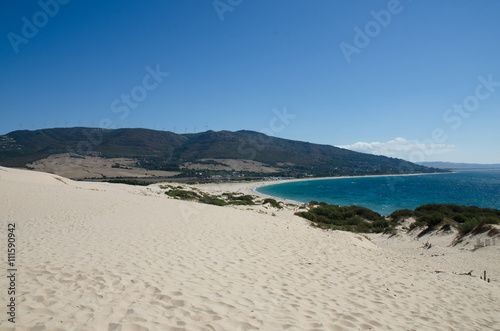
413 79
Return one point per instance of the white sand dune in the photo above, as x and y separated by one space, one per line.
97 256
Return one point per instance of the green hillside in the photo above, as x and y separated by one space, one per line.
162 150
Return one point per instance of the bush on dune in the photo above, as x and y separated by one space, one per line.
211 200
183 194
360 219
468 226
272 202
468 217
348 218
402 214
239 199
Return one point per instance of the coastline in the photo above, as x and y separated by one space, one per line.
291 180
251 187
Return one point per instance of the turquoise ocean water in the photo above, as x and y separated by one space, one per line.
389 193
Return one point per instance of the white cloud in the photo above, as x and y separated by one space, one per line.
400 148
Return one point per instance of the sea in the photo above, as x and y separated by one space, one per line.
385 194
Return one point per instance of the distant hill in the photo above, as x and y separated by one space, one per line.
457 166
253 153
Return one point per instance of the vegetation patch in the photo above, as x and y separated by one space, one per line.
211 200
166 187
183 194
273 203
402 214
352 218
468 219
239 199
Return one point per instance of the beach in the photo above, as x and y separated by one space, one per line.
100 256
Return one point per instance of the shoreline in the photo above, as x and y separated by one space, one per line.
292 180
251 187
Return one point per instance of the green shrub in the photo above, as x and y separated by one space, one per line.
365 213
309 216
380 224
183 194
240 203
326 220
430 215
240 199
335 215
354 220
417 224
364 227
460 218
490 219
401 213
432 219
243 197
468 226
391 231
272 202
166 187
349 218
211 200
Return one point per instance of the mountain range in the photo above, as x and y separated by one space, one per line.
206 154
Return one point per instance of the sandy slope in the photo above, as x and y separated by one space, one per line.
97 256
